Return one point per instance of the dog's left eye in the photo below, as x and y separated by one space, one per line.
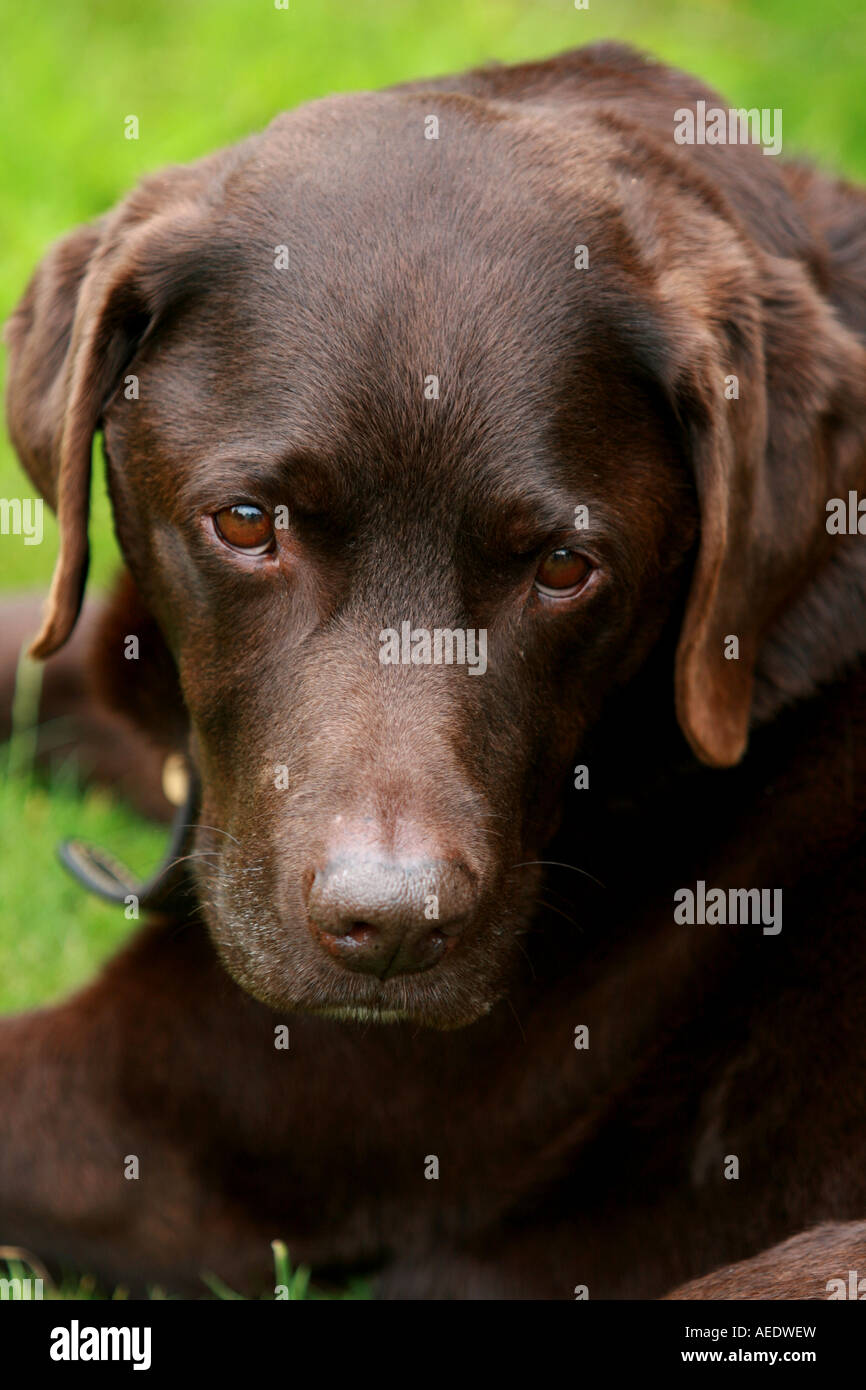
245 527
562 573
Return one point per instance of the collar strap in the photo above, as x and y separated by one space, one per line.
167 890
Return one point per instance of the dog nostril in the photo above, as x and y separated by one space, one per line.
429 950
363 933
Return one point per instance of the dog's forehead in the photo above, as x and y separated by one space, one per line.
379 288
352 232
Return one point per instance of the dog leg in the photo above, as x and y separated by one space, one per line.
827 1262
116 1146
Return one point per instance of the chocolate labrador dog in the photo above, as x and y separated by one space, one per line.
479 451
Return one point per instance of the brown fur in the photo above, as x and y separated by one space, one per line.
557 1167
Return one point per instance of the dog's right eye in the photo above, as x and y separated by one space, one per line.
562 573
245 527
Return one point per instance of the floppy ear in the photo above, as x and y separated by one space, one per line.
39 335
768 450
89 307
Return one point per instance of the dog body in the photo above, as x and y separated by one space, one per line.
551 377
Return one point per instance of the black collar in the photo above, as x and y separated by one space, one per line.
167 890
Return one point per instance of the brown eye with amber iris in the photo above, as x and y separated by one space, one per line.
562 573
245 528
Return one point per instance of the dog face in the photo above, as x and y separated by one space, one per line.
390 432
410 492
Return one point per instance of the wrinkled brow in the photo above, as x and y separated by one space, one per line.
521 523
305 482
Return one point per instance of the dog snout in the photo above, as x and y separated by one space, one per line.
389 917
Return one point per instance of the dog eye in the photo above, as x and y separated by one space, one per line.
562 573
246 528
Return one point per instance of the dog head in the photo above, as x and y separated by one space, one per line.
412 484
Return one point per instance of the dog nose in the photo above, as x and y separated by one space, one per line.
384 917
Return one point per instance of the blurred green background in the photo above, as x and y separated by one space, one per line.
200 73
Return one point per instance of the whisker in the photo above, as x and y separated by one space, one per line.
549 907
554 864
196 854
215 828
527 957
517 1020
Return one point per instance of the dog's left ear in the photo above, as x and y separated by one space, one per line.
771 392
89 307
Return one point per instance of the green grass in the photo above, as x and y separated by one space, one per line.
292 1284
204 72
52 934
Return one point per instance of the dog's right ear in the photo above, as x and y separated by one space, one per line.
93 300
39 334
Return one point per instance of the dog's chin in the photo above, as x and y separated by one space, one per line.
418 1007
441 1000
363 1013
